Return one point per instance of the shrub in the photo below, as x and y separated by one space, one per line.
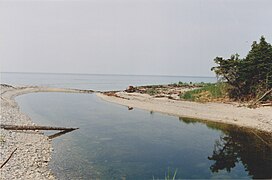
207 93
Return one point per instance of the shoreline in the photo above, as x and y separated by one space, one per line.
258 119
33 154
31 159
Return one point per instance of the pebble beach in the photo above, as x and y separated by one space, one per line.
32 155
30 160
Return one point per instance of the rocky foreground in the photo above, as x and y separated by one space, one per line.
31 149
30 160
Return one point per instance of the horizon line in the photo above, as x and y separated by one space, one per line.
57 73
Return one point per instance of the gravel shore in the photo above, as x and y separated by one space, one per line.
259 118
30 160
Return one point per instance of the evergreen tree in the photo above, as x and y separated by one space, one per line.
249 77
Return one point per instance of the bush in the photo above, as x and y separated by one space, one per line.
152 91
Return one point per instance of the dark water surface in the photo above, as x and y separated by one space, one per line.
114 143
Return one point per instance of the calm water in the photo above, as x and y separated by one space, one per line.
95 82
114 143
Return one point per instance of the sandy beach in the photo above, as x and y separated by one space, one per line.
259 118
30 160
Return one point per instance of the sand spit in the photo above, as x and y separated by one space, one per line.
30 160
260 118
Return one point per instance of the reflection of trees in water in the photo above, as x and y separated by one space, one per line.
253 149
236 146
224 154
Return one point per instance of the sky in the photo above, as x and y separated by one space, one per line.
139 37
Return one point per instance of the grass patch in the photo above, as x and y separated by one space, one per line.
190 84
152 91
206 93
169 176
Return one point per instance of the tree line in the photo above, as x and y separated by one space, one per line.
250 77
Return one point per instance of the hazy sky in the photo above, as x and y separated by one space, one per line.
155 37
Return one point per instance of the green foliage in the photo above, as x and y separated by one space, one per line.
206 93
169 176
152 91
249 77
180 83
190 84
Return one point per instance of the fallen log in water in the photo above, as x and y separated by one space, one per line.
28 127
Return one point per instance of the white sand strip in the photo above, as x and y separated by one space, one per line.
260 118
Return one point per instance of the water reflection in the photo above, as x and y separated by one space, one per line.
252 148
113 142
59 134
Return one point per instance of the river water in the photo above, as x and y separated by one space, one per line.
113 142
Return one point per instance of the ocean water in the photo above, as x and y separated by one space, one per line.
113 142
93 81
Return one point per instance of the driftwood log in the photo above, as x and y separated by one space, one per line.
27 127
265 94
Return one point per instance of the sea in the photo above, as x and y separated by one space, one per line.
99 82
